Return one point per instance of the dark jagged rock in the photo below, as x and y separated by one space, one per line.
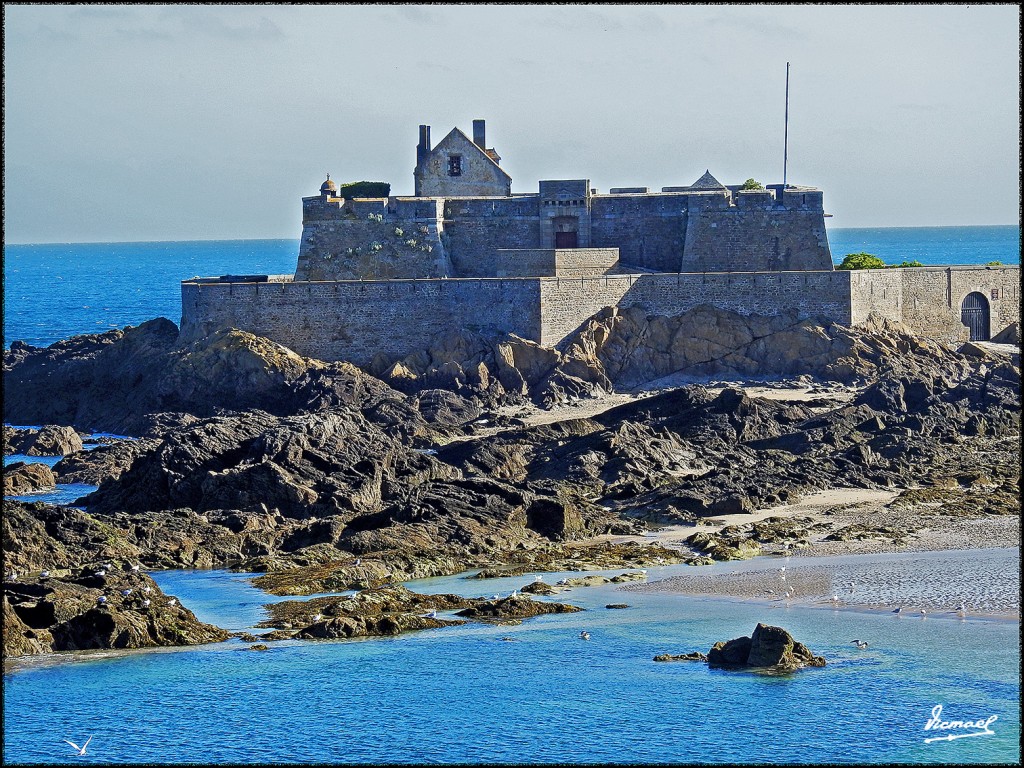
21 478
375 612
514 608
768 648
105 462
82 610
694 656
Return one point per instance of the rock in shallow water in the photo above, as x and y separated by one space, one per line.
768 647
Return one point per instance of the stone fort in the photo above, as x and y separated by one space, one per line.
382 277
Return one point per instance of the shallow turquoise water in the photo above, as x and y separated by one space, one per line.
462 694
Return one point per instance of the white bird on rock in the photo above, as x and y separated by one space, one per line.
538 577
145 603
80 749
172 602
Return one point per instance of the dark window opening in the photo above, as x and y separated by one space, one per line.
455 165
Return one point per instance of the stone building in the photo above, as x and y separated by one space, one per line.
385 276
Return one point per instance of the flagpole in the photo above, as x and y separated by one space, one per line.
785 145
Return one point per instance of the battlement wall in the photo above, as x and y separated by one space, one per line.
933 297
567 303
374 238
357 320
550 262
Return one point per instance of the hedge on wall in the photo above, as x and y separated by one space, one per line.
364 189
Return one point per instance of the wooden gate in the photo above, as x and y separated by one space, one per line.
974 314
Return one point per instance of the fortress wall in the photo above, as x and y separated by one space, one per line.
366 239
648 230
878 291
580 262
357 320
567 303
754 235
933 296
548 262
475 229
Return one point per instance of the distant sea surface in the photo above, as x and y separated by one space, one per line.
55 291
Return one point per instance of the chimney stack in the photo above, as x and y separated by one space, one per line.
423 148
479 135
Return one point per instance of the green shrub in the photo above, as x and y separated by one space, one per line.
752 184
364 189
861 261
994 264
914 263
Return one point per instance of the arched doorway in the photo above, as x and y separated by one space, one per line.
974 314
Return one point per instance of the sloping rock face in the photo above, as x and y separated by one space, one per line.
634 348
115 381
768 648
104 462
82 610
21 478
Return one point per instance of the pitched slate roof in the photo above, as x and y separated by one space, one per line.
707 181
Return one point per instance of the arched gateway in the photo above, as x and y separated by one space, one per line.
974 313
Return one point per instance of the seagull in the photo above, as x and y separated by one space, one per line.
860 643
561 582
101 572
44 574
126 592
101 599
81 749
135 569
172 601
515 593
962 609
318 617
430 615
584 635
358 561
835 598
898 610
538 577
496 597
923 613
145 603
147 590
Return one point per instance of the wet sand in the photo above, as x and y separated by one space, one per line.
985 581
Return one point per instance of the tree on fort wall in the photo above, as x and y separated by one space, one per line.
870 261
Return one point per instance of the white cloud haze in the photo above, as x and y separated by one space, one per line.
202 122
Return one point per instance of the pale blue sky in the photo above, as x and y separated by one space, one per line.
203 122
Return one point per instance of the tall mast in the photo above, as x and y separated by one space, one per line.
785 144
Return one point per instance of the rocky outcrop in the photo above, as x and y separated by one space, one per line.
382 611
768 648
97 606
516 607
51 440
694 656
105 462
118 380
21 478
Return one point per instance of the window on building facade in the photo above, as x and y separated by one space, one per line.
455 165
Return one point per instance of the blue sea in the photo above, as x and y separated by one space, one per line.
533 693
55 291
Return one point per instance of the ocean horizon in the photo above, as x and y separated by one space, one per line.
53 291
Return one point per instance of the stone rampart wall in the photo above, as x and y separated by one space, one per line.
648 230
752 238
933 297
567 303
875 291
357 320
